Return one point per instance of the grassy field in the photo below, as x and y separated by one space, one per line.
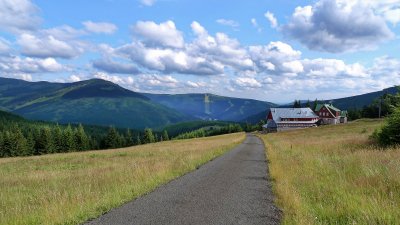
334 175
71 188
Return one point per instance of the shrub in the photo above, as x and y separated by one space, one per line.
389 134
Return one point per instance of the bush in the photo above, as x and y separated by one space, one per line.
389 134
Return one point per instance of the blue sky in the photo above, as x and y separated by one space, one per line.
269 50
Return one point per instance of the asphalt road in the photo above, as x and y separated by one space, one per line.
232 189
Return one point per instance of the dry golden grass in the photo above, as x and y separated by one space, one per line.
334 175
71 188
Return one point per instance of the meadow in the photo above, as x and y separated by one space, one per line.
70 188
334 175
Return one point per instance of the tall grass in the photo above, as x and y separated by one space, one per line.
71 188
334 175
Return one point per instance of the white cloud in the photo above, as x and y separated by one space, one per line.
148 2
113 78
75 78
246 83
46 46
18 15
4 46
230 23
169 60
255 24
18 65
338 26
164 34
271 18
276 58
100 27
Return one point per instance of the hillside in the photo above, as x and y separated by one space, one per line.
95 101
219 107
347 103
359 101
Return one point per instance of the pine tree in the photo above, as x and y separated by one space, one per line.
138 141
148 136
165 135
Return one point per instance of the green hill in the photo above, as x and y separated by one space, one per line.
95 101
219 107
359 101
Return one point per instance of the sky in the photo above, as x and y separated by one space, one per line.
268 50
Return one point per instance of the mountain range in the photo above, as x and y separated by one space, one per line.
100 102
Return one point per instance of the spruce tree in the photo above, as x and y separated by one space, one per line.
58 139
68 139
165 136
308 104
44 143
1 144
315 105
129 138
20 144
81 139
112 138
148 136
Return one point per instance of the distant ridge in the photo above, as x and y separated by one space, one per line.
96 102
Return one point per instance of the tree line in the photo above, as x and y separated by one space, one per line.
20 137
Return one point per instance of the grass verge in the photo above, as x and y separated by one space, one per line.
73 187
334 175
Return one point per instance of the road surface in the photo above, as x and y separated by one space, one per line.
231 189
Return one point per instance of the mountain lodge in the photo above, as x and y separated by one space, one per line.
330 114
280 119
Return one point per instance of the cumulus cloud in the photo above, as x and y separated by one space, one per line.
114 78
277 58
110 66
163 34
220 48
100 27
75 78
18 15
18 65
169 60
4 46
388 9
271 18
332 68
337 26
246 83
46 46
